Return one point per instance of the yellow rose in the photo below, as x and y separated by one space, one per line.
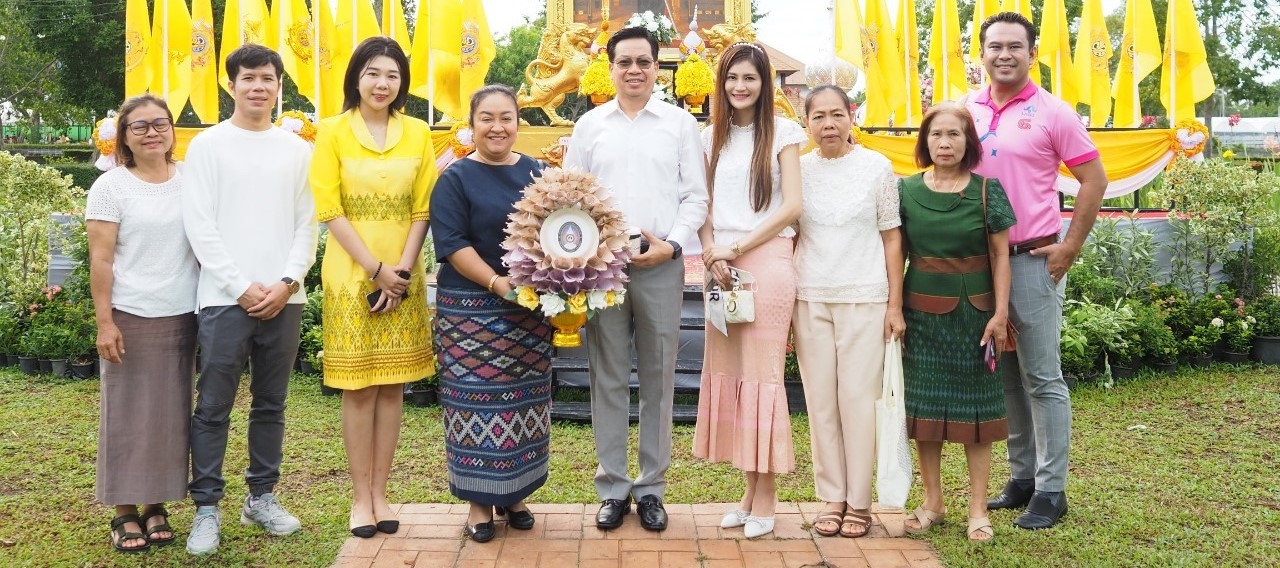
578 303
611 298
527 297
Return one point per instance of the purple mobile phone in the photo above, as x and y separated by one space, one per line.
989 355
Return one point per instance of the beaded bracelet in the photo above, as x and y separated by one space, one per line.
376 273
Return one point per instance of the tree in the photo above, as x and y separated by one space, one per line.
29 75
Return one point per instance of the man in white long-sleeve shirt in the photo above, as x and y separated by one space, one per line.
649 154
250 218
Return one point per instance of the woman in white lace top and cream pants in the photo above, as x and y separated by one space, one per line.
849 269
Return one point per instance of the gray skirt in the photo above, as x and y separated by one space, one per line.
143 446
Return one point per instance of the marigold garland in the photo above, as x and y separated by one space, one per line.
298 123
1189 137
460 140
694 78
104 136
596 80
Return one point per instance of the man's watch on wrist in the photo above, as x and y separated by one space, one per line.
293 285
676 251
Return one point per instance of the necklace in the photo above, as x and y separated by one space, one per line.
954 183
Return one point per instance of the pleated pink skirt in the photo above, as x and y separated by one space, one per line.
742 403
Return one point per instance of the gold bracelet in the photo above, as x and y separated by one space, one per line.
492 279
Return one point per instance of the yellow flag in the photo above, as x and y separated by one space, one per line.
244 22
355 23
982 9
1024 7
420 82
171 42
295 35
394 26
1186 79
332 62
909 52
887 96
1139 56
849 33
1093 63
138 57
204 63
461 51
1055 51
950 80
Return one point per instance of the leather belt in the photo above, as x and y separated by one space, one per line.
1026 246
936 265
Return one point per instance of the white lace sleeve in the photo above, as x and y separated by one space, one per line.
101 204
887 213
787 133
707 132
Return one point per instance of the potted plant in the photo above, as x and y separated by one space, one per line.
1092 332
791 380
311 344
28 346
1266 338
1162 349
423 392
1198 347
1237 340
596 82
9 335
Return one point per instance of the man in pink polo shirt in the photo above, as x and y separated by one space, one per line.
1026 132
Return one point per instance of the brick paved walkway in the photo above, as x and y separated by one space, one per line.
565 536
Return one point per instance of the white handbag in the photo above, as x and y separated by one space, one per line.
737 305
893 454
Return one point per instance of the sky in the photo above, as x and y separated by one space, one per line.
792 26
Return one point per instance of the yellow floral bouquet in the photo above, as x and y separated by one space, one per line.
296 122
104 138
596 82
694 80
567 250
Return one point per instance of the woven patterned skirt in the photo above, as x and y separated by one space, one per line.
495 389
950 396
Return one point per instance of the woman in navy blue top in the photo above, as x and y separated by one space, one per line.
494 356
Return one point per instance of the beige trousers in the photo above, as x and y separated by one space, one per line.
840 349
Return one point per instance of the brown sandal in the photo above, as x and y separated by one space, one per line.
119 534
833 517
925 518
981 526
852 521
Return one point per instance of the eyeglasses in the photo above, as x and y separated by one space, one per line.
642 63
139 128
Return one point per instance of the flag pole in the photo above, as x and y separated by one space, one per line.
946 83
431 76
164 56
280 45
315 53
1133 73
1172 32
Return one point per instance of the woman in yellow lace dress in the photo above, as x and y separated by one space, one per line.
372 174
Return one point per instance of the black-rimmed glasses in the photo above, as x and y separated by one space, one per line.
139 127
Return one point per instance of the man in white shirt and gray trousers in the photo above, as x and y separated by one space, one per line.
250 218
649 155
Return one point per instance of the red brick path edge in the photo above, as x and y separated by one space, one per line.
565 536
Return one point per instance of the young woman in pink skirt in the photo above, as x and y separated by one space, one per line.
753 177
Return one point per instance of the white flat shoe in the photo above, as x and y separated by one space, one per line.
734 519
757 526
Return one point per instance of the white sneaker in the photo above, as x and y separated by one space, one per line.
267 513
734 518
757 526
206 530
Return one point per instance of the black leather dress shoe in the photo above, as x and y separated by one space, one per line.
481 532
389 527
364 531
520 520
1044 511
611 512
1017 493
652 515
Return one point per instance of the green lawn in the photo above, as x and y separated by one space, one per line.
1196 487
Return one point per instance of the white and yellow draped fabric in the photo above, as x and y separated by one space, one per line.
1132 158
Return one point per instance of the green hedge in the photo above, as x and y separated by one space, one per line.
82 175
39 152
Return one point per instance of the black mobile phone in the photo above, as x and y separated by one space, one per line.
376 294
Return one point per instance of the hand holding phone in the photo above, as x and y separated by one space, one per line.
989 355
376 294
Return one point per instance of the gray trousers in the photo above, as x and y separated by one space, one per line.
1035 396
228 337
651 316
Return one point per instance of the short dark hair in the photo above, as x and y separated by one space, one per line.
123 153
364 54
632 32
252 56
487 91
808 100
1008 18
972 144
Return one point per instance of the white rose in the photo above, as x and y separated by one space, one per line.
552 304
596 301
1217 322
291 124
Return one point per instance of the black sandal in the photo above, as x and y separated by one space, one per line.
119 535
162 527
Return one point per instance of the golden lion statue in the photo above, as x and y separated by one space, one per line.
557 71
720 36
